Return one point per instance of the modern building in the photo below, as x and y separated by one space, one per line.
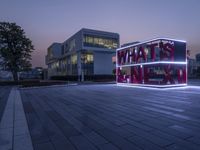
87 53
198 65
158 62
198 59
192 67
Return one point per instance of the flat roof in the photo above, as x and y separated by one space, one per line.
94 32
98 31
152 40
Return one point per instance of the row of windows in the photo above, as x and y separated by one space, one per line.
93 41
74 59
50 54
87 58
70 46
70 63
64 62
87 63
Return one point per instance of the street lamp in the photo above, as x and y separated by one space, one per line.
82 66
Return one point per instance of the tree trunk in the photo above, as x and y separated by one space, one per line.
15 75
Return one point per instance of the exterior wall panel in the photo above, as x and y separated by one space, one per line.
103 63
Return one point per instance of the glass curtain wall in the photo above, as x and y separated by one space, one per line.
100 42
74 64
87 60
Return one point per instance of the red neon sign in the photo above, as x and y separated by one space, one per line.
137 54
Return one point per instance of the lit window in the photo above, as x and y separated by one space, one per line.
94 41
74 59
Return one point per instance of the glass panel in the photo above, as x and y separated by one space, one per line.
74 64
100 42
160 74
74 59
87 63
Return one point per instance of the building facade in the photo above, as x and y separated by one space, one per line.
158 62
198 59
191 67
87 52
198 65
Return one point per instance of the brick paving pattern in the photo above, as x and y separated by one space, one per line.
107 117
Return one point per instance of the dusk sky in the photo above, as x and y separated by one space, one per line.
48 21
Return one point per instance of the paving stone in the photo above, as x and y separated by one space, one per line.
4 93
117 140
7 123
6 136
95 138
112 117
108 146
20 130
23 142
37 132
28 108
67 129
148 136
91 123
54 115
63 145
82 143
178 142
195 140
20 122
175 147
44 146
143 143
140 125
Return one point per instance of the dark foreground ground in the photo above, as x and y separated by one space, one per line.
4 92
100 117
110 117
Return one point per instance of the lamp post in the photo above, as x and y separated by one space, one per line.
82 67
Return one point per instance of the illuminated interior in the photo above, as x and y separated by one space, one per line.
101 42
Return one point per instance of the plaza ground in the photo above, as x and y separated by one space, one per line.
100 117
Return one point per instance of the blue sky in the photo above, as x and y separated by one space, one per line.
47 21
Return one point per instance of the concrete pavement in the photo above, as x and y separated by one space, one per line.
14 132
101 117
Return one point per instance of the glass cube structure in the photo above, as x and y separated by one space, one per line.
160 62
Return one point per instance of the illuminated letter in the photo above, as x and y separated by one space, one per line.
169 48
168 76
167 51
130 56
136 74
121 57
152 48
141 54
